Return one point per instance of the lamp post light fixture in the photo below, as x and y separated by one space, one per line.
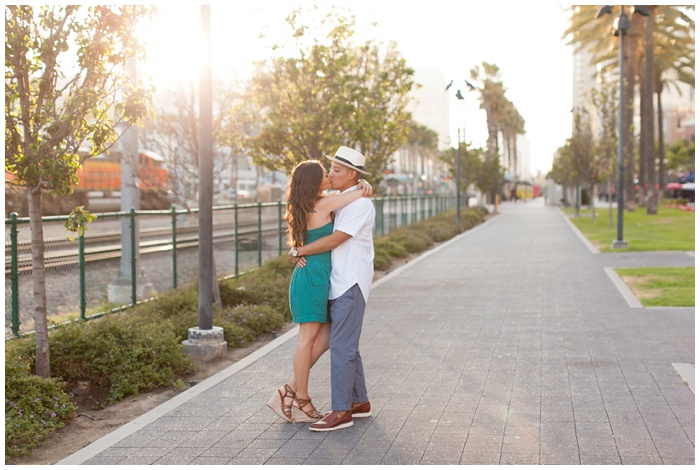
622 24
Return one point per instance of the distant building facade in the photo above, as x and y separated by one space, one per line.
411 170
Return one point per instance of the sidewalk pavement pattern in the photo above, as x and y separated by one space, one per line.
506 345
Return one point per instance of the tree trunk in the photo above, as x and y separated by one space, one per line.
643 129
647 139
630 79
610 203
515 154
660 148
41 335
632 39
592 197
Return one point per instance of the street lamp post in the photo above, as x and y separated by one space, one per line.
205 342
459 145
623 25
457 178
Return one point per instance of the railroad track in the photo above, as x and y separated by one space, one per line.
62 253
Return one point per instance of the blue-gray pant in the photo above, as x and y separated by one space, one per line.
347 374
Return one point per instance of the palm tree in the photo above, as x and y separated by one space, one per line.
674 63
512 125
593 35
634 35
647 178
492 95
501 115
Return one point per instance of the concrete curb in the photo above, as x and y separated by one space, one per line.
687 373
626 292
581 236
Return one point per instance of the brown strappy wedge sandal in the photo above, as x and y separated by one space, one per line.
278 405
310 416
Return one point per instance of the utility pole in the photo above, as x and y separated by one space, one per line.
207 341
123 289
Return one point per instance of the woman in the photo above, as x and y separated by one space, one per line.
309 217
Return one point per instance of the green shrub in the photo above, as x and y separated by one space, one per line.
391 248
245 323
585 197
171 303
233 293
440 232
177 308
268 284
34 407
470 219
382 259
412 240
121 354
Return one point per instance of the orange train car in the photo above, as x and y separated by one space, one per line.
101 173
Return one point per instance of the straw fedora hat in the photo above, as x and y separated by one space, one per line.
350 158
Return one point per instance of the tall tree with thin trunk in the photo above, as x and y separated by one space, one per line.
646 131
65 87
605 103
632 49
492 97
674 63
487 82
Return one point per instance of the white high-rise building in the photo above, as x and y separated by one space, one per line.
431 104
584 79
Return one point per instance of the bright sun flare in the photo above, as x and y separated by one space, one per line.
173 46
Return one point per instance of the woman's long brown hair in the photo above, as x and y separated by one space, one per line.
302 195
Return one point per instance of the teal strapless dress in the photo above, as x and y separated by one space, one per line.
308 290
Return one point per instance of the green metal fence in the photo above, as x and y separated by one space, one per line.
127 257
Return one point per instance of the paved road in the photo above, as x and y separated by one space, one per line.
508 345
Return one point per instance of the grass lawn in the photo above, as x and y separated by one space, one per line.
671 229
661 287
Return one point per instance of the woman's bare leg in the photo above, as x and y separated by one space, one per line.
303 357
321 344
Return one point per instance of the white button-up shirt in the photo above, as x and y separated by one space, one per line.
353 260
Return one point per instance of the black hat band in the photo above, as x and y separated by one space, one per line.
349 163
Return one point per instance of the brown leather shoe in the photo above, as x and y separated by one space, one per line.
333 421
361 410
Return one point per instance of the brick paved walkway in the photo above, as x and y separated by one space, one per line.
507 345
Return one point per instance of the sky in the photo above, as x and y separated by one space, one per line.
522 39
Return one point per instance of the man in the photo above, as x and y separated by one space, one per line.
352 271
